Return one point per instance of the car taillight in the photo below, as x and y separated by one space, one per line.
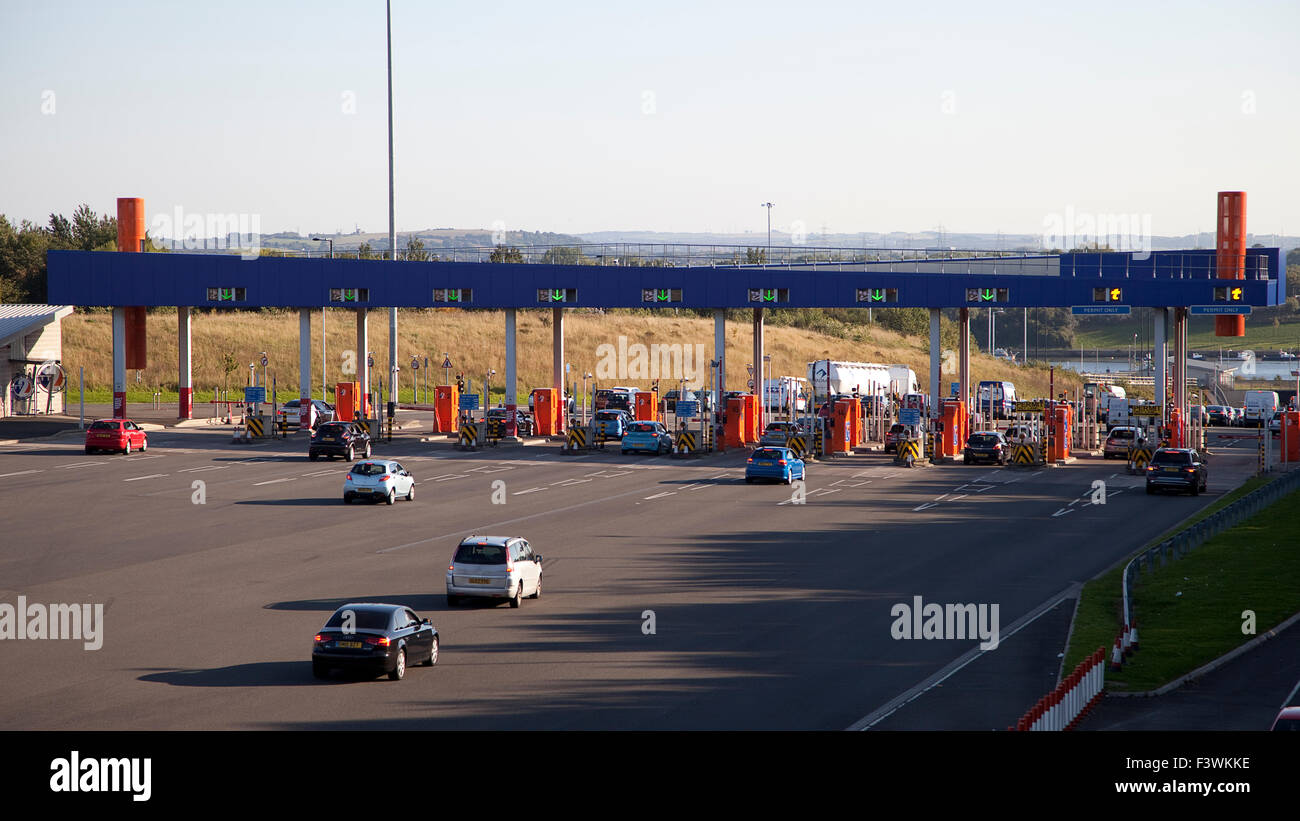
750 460
1189 470
321 637
451 567
348 478
381 641
1151 467
781 462
385 478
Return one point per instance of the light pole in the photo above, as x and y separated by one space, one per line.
324 385
392 226
585 377
768 206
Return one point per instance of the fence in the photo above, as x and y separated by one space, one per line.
1072 699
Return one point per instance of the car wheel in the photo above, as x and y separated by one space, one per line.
433 653
749 480
367 450
127 449
1150 490
347 500
89 451
399 672
537 594
410 493
452 601
144 445
349 456
519 595
392 496
965 460
313 456
1196 489
319 670
625 451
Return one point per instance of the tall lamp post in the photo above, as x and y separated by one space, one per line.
392 225
768 206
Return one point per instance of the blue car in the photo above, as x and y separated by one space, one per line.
778 464
648 437
613 423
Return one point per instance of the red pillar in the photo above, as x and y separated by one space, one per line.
1230 255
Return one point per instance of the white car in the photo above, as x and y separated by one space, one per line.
496 567
378 480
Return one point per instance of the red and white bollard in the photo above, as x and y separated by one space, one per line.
1116 657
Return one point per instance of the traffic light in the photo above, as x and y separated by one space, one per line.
1116 294
1229 294
1234 295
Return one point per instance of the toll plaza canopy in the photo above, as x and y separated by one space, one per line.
1105 280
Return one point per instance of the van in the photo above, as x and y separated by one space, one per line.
996 398
1260 407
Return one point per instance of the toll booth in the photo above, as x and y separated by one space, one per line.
1289 442
734 429
645 408
1177 428
857 425
1061 421
955 421
545 412
841 434
347 401
446 407
753 417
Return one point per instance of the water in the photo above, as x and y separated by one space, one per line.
1243 368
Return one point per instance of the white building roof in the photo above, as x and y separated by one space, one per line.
19 320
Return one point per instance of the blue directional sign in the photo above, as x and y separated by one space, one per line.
1231 310
910 416
469 401
1092 310
687 407
254 396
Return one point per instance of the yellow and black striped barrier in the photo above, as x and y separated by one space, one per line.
909 451
819 443
685 445
255 427
496 430
1138 458
576 439
1022 454
364 424
798 444
468 436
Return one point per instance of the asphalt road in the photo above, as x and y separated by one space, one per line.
767 614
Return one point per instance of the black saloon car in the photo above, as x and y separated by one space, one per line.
346 439
985 446
1176 468
374 638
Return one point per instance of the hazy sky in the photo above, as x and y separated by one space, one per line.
682 116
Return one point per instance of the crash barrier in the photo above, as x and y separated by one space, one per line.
468 436
1263 453
685 444
364 424
1139 456
496 430
256 427
601 437
1072 699
576 440
1023 454
798 444
819 442
1193 536
929 446
282 427
909 450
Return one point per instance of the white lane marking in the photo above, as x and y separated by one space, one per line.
1062 512
826 492
321 473
1036 474
452 476
530 490
205 467
661 495
490 469
695 487
276 481
925 506
20 473
150 476
941 498
82 465
955 498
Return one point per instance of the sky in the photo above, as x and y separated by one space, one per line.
673 116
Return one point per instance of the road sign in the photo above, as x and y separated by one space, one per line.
415 364
750 383
1144 410
687 407
254 395
21 387
446 362
52 377
1090 310
469 401
265 362
1232 310
1030 406
910 416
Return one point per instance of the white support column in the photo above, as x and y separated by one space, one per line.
363 352
936 364
963 357
557 368
1162 357
512 385
119 363
185 367
758 365
719 355
304 368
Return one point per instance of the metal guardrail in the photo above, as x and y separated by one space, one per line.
1195 535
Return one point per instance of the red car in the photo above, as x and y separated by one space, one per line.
116 434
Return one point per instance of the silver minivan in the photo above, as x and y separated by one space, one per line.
496 567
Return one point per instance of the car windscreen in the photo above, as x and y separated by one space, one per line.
332 429
480 554
1171 457
370 469
103 426
897 428
984 439
608 415
364 619
768 453
642 427
1121 434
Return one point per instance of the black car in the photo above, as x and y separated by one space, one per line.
346 439
985 446
374 638
1219 415
1177 468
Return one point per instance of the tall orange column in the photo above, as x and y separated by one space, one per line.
130 239
1230 254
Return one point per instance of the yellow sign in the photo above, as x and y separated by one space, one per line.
1144 410
1031 406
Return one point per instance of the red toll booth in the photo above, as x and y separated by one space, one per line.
1062 423
842 415
544 410
857 425
752 418
735 424
446 406
347 401
1177 428
1290 441
955 422
646 409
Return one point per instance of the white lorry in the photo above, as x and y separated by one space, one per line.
841 378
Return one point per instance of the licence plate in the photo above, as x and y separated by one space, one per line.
764 464
1171 470
363 490
480 581
351 645
328 439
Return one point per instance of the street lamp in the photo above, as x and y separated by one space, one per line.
585 377
768 206
392 226
324 386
